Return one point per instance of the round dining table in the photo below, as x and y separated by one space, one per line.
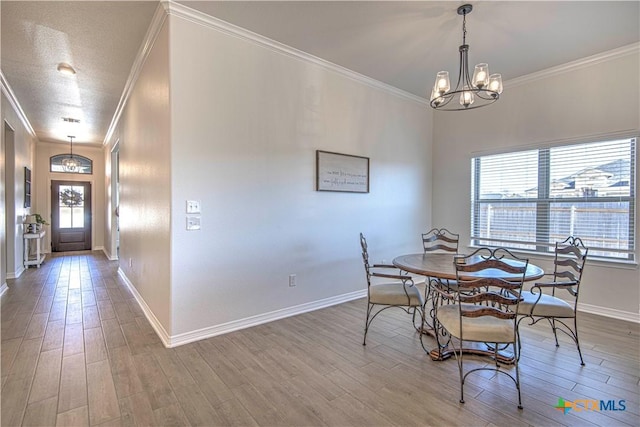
441 267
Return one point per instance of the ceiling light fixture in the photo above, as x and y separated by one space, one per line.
66 69
482 90
70 164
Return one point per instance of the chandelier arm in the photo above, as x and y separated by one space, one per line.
467 79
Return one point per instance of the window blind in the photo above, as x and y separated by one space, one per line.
531 199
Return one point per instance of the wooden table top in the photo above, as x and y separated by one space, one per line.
441 266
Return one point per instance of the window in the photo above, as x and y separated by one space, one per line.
85 165
531 199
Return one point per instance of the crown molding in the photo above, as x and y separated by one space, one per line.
608 55
145 48
185 12
11 97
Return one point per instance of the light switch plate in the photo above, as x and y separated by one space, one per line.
193 206
193 223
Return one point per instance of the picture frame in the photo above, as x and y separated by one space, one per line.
341 172
27 187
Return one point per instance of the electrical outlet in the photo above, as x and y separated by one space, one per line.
292 280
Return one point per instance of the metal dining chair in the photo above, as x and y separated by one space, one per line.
543 301
482 309
397 290
440 240
435 241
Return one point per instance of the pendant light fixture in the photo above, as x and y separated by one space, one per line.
70 164
469 93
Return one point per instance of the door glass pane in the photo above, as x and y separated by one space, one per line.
65 217
78 217
71 208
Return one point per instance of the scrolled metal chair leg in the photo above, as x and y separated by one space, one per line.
553 326
366 324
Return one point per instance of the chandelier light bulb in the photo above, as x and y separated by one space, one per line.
495 83
481 76
435 97
442 82
466 97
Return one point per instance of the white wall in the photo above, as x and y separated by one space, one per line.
13 185
246 122
145 184
42 202
594 99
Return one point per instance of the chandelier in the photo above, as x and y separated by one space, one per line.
70 164
469 93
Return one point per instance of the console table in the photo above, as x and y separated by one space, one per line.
39 256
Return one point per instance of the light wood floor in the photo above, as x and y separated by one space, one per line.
77 350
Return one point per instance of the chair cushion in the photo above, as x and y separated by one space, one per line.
482 329
548 306
394 294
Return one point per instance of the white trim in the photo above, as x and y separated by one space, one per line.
259 319
153 320
609 312
147 43
16 275
212 331
13 101
181 11
620 52
109 256
3 289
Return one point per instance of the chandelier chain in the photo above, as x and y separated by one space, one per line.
464 28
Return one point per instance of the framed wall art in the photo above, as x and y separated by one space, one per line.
27 187
341 172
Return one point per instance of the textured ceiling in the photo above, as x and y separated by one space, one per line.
99 39
400 43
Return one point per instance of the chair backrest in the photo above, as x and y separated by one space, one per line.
570 257
490 282
365 257
440 239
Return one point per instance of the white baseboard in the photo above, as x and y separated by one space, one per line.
259 319
153 320
109 256
609 312
4 288
212 331
16 274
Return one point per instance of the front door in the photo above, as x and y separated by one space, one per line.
70 216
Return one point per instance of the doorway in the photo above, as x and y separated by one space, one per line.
115 201
70 216
8 242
